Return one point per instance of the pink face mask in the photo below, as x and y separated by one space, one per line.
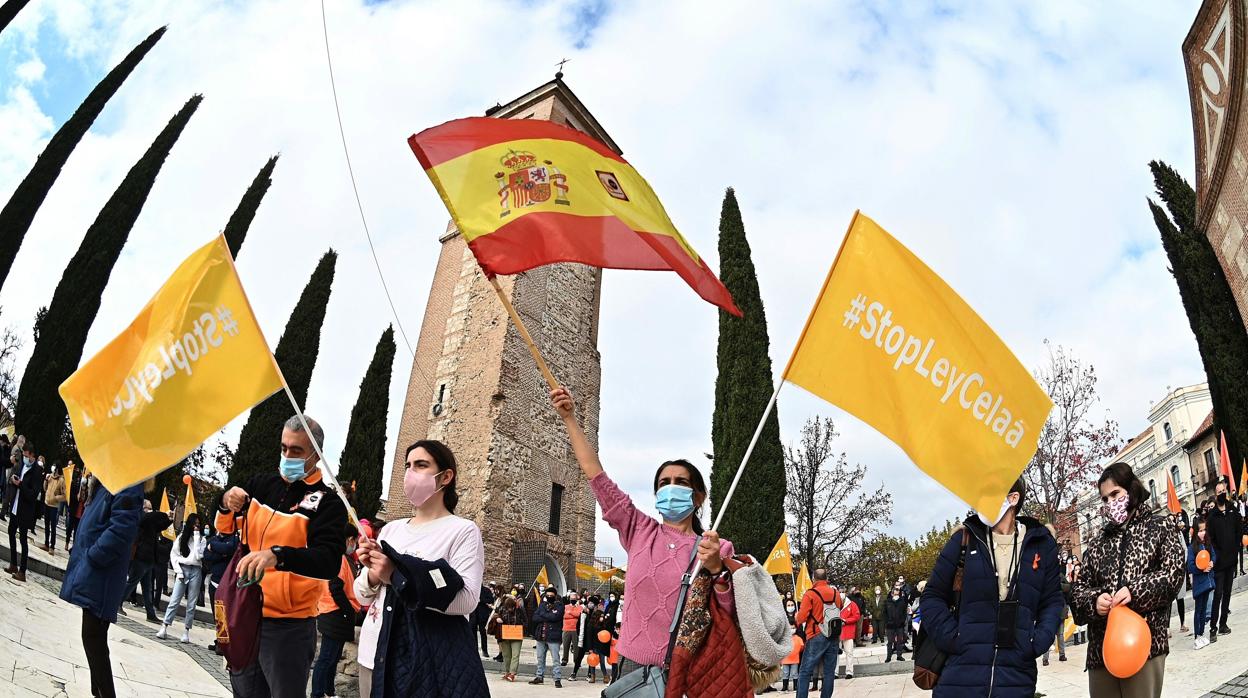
1116 509
419 487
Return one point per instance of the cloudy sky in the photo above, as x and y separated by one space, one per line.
1006 144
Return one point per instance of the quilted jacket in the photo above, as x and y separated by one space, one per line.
709 658
421 651
1145 555
976 667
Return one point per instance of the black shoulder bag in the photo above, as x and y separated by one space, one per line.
928 660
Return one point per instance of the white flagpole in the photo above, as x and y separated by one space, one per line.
323 462
719 517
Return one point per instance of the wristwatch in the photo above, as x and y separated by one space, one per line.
278 552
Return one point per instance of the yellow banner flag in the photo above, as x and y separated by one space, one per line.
188 507
780 561
541 577
803 581
192 360
164 507
891 343
608 575
584 571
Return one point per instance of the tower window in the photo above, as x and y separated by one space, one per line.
556 505
1169 432
1174 476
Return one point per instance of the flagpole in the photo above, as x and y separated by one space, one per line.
323 463
524 334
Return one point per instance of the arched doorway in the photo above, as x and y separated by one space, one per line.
555 574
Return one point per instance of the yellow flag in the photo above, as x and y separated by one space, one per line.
1068 629
608 575
164 506
780 561
891 343
541 577
188 507
584 571
803 581
192 360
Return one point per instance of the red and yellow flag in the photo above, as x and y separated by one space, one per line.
528 192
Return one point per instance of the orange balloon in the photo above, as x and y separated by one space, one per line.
593 660
186 479
1202 561
604 636
1127 642
798 643
1245 541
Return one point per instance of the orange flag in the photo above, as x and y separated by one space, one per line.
1172 497
1243 479
1224 464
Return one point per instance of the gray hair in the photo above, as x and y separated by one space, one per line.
318 434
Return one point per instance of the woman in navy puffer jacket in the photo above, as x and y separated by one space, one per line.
976 665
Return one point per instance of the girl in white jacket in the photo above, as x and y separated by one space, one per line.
186 558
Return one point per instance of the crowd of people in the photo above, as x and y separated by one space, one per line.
996 602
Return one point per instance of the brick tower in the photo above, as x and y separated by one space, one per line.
1214 55
475 387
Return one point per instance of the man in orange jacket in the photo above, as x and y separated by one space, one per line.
294 529
821 646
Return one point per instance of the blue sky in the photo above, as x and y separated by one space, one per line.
1006 144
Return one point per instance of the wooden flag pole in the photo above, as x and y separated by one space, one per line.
524 334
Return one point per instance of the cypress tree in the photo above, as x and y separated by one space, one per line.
9 10
1210 306
259 445
755 517
364 453
19 212
236 228
63 329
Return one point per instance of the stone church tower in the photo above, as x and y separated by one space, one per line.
1214 55
475 387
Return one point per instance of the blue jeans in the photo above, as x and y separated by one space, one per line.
542 648
1202 612
818 649
326 667
187 587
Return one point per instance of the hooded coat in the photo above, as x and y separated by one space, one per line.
95 579
976 666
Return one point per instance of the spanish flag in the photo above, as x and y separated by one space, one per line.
526 192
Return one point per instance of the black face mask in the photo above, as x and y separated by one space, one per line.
550 599
1222 499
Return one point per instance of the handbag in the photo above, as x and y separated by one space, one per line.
238 611
651 681
513 632
928 660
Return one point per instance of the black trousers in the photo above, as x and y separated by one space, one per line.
1222 581
287 648
16 533
95 646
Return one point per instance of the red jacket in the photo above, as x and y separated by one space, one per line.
850 615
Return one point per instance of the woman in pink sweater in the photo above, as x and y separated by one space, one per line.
658 553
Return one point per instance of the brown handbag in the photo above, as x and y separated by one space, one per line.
928 660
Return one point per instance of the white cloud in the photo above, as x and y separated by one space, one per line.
1006 146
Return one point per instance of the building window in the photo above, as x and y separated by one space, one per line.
1174 476
1211 466
1169 432
556 505
1152 489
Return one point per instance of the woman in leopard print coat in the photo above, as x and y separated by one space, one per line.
1137 562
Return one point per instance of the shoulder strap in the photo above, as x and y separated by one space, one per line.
960 572
685 582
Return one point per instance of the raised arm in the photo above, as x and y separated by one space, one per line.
586 456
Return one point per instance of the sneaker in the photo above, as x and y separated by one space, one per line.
1213 636
1046 661
1224 630
558 683
537 681
163 632
849 676
150 618
186 639
1061 657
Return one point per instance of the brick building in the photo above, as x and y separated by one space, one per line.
1214 55
475 387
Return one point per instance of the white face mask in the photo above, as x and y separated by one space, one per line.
1005 506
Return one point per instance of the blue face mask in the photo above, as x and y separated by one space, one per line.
674 502
292 469
28 461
